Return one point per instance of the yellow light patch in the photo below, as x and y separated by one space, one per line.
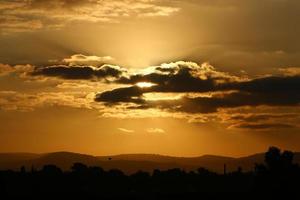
145 84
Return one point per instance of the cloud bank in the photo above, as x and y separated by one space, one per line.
227 91
198 93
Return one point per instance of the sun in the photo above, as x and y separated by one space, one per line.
144 84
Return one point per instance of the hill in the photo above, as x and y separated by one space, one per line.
130 163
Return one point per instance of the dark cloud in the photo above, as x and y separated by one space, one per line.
261 117
78 72
200 104
271 84
181 81
129 94
180 77
181 72
231 100
189 78
262 126
232 91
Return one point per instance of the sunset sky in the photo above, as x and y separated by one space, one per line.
171 77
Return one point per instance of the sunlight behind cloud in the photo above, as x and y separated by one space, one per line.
145 84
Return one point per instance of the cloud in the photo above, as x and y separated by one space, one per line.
255 118
128 94
227 91
270 84
155 130
210 104
80 59
181 77
290 71
17 24
126 130
13 100
206 94
22 70
231 100
5 69
178 77
261 121
262 126
23 15
79 72
185 90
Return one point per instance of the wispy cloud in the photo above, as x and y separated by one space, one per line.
80 59
23 15
262 126
22 70
126 130
155 130
17 101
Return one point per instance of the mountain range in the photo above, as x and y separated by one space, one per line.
130 163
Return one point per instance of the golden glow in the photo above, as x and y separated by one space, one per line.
161 45
145 84
162 96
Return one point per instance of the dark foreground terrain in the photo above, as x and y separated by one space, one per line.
276 176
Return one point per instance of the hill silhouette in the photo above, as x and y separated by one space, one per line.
130 163
277 176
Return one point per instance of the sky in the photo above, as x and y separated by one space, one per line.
171 77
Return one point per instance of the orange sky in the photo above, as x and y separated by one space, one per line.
182 78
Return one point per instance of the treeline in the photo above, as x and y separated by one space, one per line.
277 176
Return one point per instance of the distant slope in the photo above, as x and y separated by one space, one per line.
130 163
12 157
62 159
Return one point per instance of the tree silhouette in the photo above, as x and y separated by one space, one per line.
273 158
79 168
51 170
277 160
287 158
